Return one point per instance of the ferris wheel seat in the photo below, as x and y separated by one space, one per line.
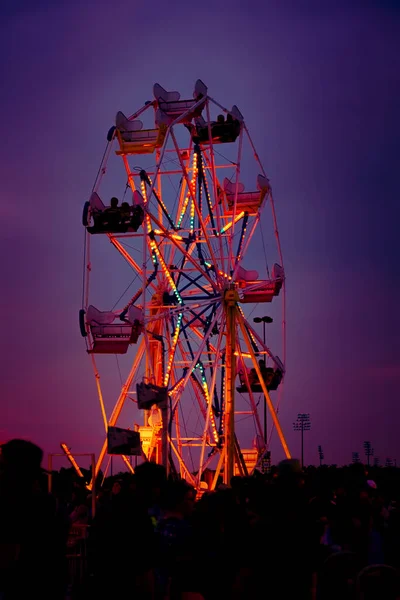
133 139
246 275
161 95
223 131
276 380
172 105
179 108
272 379
260 291
149 394
250 457
265 294
111 221
102 225
111 339
114 339
278 276
144 141
248 202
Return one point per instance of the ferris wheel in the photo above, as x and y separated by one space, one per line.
170 284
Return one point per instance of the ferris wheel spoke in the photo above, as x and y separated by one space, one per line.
215 184
182 250
231 264
172 350
197 209
197 355
210 416
201 389
188 307
247 243
193 282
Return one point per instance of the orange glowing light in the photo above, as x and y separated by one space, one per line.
71 459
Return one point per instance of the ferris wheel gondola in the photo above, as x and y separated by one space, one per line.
191 220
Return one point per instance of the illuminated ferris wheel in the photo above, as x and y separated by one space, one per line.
172 310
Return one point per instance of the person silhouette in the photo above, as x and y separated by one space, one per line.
111 215
33 533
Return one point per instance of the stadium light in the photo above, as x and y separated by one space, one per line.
302 424
321 455
368 451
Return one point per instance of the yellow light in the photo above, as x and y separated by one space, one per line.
172 235
173 347
229 225
71 459
189 194
164 267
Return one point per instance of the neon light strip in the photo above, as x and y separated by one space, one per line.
173 348
242 236
162 204
207 397
229 225
186 254
200 202
192 218
155 251
209 265
173 235
144 194
210 210
164 267
193 187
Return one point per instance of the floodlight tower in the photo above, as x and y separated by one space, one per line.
302 424
320 455
368 451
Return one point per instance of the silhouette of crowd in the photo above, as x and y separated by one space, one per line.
314 534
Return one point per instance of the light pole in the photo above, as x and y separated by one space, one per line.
321 455
368 451
355 458
264 321
302 424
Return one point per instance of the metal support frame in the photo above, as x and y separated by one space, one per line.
211 272
230 298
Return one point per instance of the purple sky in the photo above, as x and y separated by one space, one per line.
320 92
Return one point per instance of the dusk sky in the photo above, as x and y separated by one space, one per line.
319 86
